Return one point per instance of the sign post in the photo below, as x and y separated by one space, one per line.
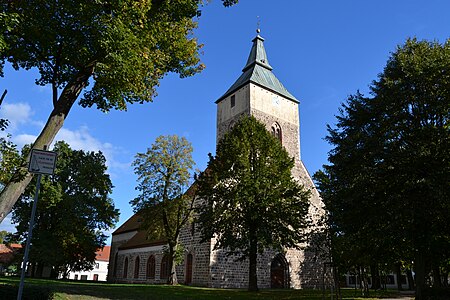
42 163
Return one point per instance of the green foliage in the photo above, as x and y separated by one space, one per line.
3 234
132 44
121 48
164 173
10 160
178 255
7 22
252 202
74 208
387 187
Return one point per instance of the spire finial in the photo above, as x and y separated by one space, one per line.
257 25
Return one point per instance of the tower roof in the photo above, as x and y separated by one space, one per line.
257 70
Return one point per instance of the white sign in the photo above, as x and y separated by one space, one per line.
42 162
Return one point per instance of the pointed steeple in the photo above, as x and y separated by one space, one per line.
257 55
257 70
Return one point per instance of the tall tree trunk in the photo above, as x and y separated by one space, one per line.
437 282
398 274
172 279
420 270
411 284
375 273
252 270
337 283
16 186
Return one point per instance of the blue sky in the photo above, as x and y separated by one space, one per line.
322 51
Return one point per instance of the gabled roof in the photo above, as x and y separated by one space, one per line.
140 239
103 254
7 252
258 71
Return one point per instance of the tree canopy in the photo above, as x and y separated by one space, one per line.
387 186
164 172
121 48
251 201
74 210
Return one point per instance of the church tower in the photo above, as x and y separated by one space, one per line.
259 93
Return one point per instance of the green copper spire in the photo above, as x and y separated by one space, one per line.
257 70
257 55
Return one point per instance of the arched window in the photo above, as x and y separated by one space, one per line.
137 262
116 258
164 267
276 131
125 268
151 267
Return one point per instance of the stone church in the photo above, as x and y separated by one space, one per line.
135 259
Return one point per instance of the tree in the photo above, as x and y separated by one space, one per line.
122 48
10 159
251 201
3 234
390 165
163 173
74 209
3 122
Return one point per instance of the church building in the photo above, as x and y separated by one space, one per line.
259 93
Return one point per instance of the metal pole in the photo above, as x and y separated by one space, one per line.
30 233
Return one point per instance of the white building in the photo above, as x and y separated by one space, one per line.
100 271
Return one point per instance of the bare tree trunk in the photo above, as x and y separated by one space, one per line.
22 178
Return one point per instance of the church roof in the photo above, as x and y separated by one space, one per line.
132 224
140 240
257 70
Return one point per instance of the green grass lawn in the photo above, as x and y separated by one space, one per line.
89 290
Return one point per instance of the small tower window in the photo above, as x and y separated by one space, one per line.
276 131
233 101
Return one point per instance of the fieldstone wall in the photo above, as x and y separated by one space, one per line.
227 116
143 254
116 242
190 239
